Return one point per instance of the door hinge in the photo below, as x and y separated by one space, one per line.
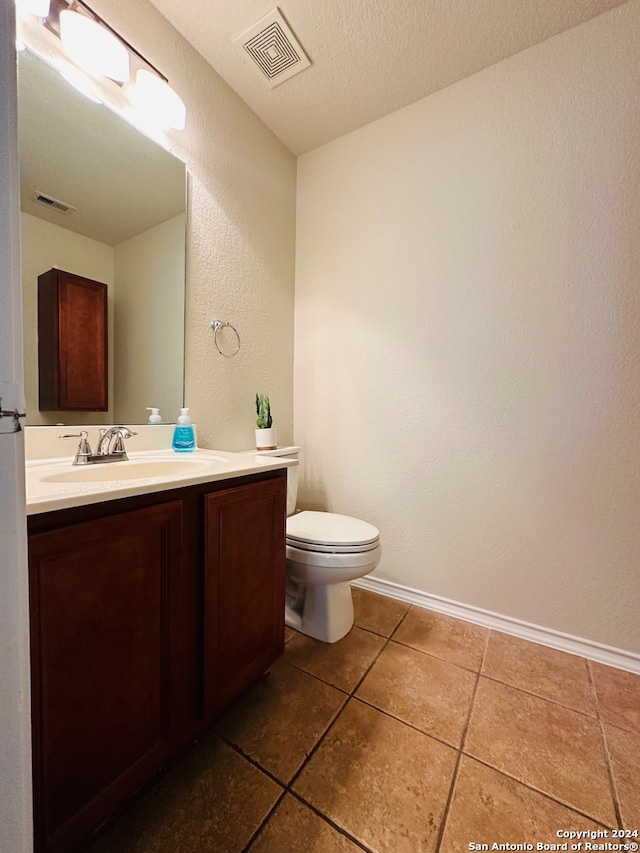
15 415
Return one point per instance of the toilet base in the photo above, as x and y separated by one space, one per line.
326 613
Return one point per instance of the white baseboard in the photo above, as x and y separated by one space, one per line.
618 658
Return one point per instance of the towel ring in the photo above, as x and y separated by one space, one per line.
217 325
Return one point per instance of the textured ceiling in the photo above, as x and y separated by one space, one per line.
369 57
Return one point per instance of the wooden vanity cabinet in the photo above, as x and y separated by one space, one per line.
244 589
72 343
103 611
148 616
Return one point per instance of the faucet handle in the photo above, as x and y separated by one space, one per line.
120 434
84 448
112 441
118 441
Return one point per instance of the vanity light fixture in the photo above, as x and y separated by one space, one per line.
71 37
93 47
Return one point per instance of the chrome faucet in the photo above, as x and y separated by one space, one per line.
110 446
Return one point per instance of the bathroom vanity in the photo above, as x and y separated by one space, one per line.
150 613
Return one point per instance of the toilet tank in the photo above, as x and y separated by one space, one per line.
292 473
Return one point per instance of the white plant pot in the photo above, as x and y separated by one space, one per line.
266 439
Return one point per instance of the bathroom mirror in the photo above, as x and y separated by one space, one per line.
114 211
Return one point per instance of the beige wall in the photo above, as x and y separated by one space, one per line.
240 238
45 246
148 327
467 364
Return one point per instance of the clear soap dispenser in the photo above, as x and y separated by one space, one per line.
184 440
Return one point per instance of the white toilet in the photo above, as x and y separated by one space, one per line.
325 552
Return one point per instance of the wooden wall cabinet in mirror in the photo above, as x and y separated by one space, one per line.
72 342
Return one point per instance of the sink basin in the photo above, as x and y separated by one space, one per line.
138 469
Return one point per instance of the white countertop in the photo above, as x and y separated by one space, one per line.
54 483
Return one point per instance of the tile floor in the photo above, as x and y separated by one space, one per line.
416 733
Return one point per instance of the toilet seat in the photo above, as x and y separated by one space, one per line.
330 533
332 562
331 541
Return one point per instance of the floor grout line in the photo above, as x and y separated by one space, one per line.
454 778
548 699
607 755
369 668
405 723
254 762
553 799
402 618
333 721
288 787
332 823
314 749
406 645
317 677
266 820
350 693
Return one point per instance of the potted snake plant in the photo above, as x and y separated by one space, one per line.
265 432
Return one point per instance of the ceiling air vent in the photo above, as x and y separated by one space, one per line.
273 48
55 203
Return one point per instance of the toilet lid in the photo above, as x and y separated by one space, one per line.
330 529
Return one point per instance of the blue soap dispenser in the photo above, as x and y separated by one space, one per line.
184 440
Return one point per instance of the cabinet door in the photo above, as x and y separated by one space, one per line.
72 342
102 600
244 587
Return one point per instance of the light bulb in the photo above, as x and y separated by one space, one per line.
96 50
157 101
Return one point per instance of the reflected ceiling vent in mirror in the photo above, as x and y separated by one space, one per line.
273 49
54 203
